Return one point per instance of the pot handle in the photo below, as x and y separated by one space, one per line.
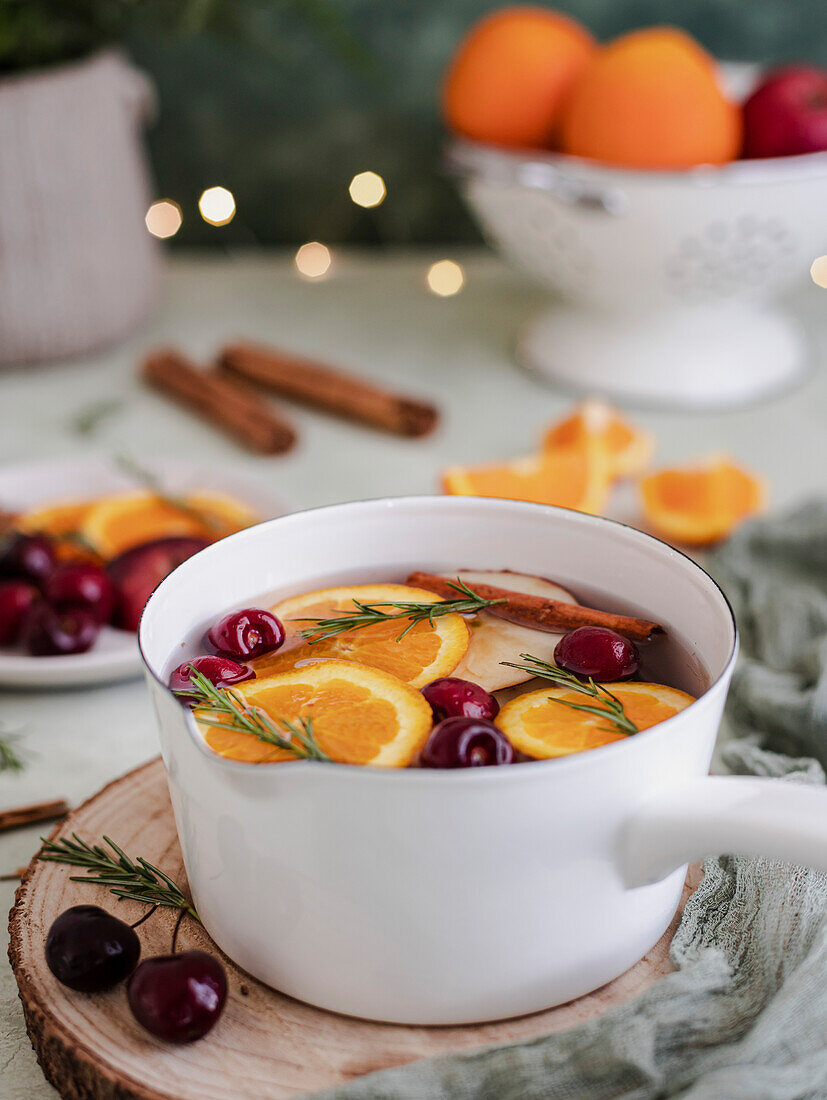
738 815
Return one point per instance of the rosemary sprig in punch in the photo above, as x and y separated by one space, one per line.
230 712
122 876
366 614
610 706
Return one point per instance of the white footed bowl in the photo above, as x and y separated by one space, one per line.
443 897
665 278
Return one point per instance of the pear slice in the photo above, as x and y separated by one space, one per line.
494 640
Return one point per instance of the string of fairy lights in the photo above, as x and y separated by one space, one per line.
313 260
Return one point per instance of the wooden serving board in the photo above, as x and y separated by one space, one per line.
266 1046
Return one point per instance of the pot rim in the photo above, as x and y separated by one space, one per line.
453 775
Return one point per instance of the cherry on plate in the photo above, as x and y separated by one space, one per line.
248 633
137 572
90 950
466 743
58 632
451 697
220 671
28 557
81 584
178 998
597 652
16 598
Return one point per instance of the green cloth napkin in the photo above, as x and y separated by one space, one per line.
745 1013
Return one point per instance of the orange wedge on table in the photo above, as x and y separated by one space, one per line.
629 450
698 505
541 727
577 478
119 522
425 653
359 715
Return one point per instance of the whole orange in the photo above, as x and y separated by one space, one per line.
651 99
507 80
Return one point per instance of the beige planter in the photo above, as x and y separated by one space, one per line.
77 265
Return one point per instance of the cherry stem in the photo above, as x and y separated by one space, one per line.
181 916
146 916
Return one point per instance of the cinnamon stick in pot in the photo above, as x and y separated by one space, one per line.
332 390
552 616
227 403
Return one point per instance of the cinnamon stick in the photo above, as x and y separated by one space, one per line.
228 404
552 616
30 815
332 390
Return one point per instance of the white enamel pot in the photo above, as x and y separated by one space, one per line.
445 897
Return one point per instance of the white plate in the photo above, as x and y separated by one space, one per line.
115 654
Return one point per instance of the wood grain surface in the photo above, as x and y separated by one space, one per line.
266 1046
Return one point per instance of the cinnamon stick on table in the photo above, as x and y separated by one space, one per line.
226 403
30 815
332 390
553 616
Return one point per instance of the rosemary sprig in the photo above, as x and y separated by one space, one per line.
232 713
173 500
136 879
611 707
88 419
9 760
367 614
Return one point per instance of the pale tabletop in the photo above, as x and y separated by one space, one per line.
374 314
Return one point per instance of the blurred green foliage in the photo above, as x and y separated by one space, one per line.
283 101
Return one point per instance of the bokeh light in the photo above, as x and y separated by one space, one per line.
217 205
818 270
445 278
367 189
164 218
313 260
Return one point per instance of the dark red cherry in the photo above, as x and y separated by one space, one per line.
451 697
138 571
29 557
16 597
466 743
597 652
247 633
90 950
58 632
81 584
220 671
178 998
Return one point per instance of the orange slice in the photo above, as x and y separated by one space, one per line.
56 520
569 478
360 715
117 523
541 728
700 504
628 448
425 653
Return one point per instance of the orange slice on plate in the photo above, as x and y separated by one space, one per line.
359 715
577 478
119 522
57 521
701 504
629 449
425 653
540 727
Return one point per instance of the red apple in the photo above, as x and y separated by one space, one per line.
787 113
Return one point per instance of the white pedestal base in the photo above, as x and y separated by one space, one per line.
728 354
